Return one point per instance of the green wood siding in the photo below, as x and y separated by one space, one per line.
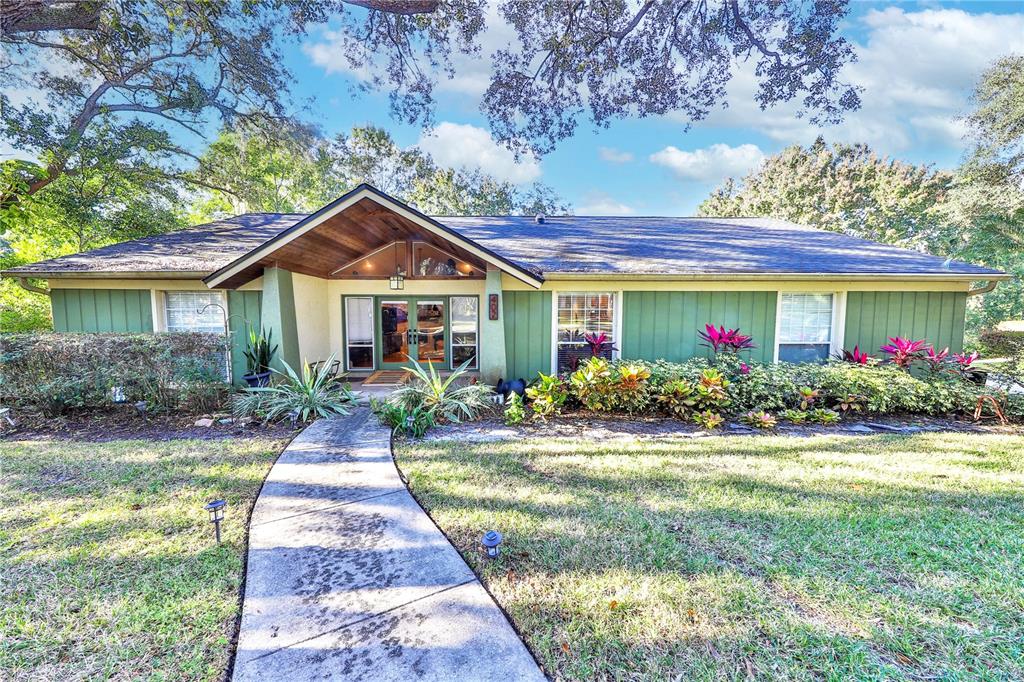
873 316
243 311
527 317
663 325
102 310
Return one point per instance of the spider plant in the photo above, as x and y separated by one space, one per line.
316 393
442 397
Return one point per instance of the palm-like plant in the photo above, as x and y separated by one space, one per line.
316 393
903 352
442 397
720 339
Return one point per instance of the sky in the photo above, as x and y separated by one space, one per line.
917 64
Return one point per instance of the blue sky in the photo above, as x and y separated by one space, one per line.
916 62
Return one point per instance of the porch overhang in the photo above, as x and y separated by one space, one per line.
366 201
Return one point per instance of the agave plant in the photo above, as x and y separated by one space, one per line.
856 356
720 339
314 394
599 344
903 352
440 397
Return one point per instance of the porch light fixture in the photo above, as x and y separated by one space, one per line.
490 542
397 280
216 509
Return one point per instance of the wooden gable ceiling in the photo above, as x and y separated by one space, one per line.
343 238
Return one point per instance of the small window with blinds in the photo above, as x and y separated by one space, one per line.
805 327
580 314
359 332
465 319
194 311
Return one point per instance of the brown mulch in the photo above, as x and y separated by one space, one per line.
128 425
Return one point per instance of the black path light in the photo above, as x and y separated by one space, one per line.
216 509
490 541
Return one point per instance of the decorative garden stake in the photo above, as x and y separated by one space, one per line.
490 541
117 394
216 509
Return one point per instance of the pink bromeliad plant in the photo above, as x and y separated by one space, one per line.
720 339
965 360
935 359
903 352
599 343
856 356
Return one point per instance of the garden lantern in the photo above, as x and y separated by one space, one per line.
409 421
490 542
216 509
397 280
141 407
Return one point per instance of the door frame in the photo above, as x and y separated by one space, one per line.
410 300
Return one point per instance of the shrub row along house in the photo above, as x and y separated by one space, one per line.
376 282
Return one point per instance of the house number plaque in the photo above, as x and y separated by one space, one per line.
492 306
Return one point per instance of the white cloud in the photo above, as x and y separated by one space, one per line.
613 155
917 70
711 164
467 146
600 203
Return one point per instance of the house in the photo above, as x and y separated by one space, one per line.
375 281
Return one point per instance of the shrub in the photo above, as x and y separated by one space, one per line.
415 422
630 391
677 398
443 398
548 394
759 419
315 394
58 373
592 384
259 352
794 416
711 390
515 413
823 416
806 396
708 419
903 352
851 402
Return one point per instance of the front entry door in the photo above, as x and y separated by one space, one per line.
412 328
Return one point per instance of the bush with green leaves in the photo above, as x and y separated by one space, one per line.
515 411
593 385
823 416
314 394
759 419
547 395
708 419
415 422
677 398
58 373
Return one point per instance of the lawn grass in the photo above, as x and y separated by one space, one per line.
826 557
109 566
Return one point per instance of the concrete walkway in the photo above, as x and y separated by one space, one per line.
348 578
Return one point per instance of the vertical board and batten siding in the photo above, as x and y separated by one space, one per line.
527 317
102 310
243 312
663 325
873 316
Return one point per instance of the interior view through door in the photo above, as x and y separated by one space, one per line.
420 335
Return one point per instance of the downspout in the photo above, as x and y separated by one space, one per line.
28 286
983 290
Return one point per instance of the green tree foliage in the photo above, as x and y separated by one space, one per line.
842 188
299 171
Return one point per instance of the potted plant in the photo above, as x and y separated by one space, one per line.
258 355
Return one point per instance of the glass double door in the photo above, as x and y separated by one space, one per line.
412 328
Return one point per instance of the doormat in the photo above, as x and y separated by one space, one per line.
387 377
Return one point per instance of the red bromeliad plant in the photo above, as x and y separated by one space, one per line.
599 344
935 359
720 339
902 352
965 360
856 356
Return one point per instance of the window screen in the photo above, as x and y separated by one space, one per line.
805 327
181 311
580 314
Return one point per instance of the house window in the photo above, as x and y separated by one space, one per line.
465 317
181 311
805 327
359 332
580 314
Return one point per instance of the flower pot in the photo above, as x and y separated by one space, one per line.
257 380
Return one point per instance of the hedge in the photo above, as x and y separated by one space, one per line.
59 373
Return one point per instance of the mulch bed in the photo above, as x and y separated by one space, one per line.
604 426
128 425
